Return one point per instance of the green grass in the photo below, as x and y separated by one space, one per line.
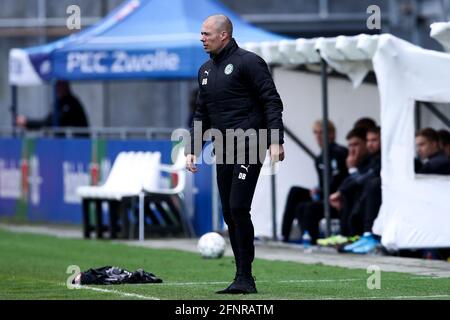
34 267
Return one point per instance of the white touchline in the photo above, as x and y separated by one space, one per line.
279 281
193 283
260 281
410 297
320 280
125 294
382 297
429 277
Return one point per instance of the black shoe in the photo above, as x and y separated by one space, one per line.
242 284
228 289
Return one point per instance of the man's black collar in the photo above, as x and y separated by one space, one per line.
225 52
434 155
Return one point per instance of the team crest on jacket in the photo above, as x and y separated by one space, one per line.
229 69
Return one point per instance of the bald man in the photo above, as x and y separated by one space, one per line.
236 91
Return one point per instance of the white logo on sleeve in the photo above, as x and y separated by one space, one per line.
229 69
245 167
241 174
205 80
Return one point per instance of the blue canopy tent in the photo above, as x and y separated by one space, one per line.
141 39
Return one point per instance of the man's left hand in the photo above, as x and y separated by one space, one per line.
276 152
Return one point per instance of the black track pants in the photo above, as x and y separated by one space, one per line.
309 215
372 203
296 196
237 183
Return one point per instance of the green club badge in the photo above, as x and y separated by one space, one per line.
228 69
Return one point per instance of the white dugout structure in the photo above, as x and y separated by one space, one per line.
416 208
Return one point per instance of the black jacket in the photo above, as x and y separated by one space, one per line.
367 169
438 163
237 91
338 167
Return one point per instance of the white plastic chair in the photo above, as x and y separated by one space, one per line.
130 171
178 168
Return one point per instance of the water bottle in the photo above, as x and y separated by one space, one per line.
306 240
316 196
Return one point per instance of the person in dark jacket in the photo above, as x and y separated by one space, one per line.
236 91
370 201
365 123
307 205
444 141
69 110
365 209
432 160
359 164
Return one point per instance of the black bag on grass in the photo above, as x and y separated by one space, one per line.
115 275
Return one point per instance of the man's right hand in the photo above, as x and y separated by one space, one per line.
336 200
21 121
352 160
190 163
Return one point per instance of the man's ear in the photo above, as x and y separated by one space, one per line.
223 35
436 144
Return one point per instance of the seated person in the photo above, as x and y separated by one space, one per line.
365 123
298 195
366 208
360 168
432 160
444 141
